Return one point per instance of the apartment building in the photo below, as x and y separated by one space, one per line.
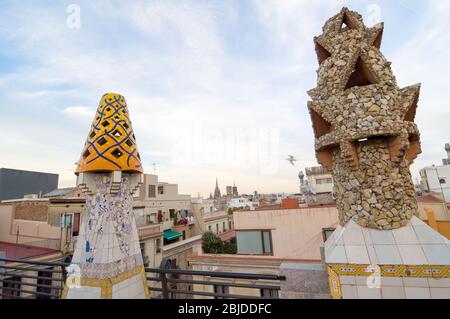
319 180
208 217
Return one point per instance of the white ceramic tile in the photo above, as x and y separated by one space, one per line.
353 236
349 292
352 225
412 254
428 235
361 280
415 282
393 292
437 254
365 292
391 281
337 256
388 254
417 293
382 237
338 236
372 255
415 221
440 293
367 237
439 282
347 280
405 236
357 254
329 249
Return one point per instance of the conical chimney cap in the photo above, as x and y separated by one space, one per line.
111 144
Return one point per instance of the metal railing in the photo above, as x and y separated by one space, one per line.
29 279
186 284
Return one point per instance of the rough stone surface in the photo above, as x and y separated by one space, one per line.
363 125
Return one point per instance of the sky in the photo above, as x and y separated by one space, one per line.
215 89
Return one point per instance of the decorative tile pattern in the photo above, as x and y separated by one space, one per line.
424 271
335 285
111 144
108 251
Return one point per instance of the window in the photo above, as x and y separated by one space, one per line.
324 181
217 228
150 219
223 290
76 224
269 293
257 242
160 190
209 228
184 234
172 213
11 287
151 191
158 245
224 227
326 233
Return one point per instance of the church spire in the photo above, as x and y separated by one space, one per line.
217 194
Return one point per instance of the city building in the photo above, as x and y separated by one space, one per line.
446 161
437 178
261 237
319 180
208 217
240 202
16 184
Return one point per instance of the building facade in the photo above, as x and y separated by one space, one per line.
16 184
436 179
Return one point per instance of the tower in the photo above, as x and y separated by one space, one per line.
107 262
217 194
366 136
235 190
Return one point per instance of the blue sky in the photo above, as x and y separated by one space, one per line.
214 88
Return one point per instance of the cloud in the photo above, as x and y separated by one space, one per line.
82 113
186 67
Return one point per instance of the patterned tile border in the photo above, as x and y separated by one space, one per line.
409 271
424 271
106 285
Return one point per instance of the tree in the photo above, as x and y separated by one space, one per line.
212 244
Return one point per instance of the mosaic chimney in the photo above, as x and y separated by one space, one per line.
366 136
107 261
364 125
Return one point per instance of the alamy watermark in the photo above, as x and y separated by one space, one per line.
252 148
73 20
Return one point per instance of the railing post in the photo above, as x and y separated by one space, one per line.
165 264
2 255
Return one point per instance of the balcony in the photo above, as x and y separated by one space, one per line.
149 230
168 224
